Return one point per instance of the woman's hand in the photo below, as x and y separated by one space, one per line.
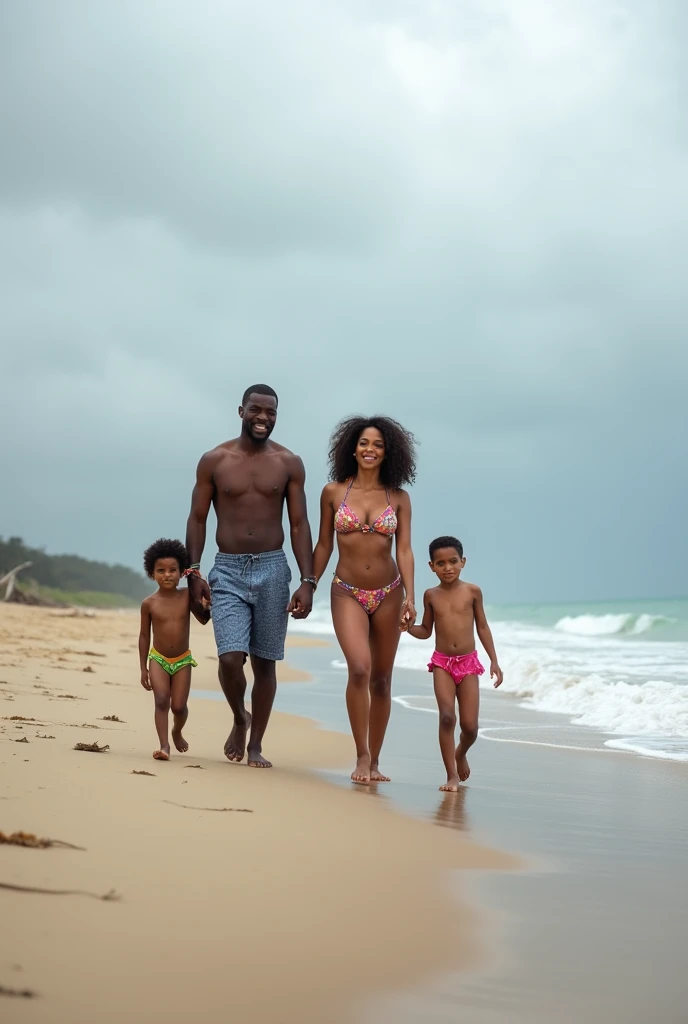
145 680
408 613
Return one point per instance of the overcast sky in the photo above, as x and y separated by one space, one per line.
472 216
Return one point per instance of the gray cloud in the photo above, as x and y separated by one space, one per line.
473 218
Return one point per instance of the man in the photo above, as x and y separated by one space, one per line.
248 480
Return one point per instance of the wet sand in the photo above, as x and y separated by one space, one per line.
271 895
594 929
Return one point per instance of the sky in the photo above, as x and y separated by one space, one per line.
470 216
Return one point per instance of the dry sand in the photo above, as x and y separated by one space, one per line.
268 894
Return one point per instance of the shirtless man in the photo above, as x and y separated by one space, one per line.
247 480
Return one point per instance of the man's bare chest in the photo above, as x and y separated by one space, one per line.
238 479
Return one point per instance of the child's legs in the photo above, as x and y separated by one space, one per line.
445 692
179 696
161 683
468 693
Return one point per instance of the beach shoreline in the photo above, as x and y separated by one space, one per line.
228 876
602 835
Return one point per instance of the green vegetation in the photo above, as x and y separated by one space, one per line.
70 579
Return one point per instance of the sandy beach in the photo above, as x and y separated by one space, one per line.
273 894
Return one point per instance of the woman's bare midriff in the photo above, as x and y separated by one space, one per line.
365 560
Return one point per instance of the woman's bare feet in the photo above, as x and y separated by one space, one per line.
462 766
163 754
376 775
179 741
361 773
235 747
451 785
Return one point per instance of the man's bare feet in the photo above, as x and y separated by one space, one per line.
163 754
179 741
235 747
451 785
462 766
256 760
376 775
361 773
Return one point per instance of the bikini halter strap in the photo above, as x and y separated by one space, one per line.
346 495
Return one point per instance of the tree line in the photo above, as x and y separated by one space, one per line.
70 572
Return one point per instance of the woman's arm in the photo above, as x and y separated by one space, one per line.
144 644
405 558
325 544
424 631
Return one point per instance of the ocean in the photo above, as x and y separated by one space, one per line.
617 671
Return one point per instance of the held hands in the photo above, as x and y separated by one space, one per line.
408 614
199 592
302 601
496 674
145 680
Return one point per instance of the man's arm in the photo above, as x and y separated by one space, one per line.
301 540
485 635
201 500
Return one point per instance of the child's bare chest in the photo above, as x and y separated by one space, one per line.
454 607
171 612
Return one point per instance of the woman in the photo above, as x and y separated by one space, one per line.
370 459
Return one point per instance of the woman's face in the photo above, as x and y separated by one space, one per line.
370 448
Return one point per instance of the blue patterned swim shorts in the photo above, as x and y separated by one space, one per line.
249 608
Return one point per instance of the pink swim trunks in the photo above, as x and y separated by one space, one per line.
457 665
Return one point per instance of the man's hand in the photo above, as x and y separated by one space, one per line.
302 602
496 674
145 680
199 592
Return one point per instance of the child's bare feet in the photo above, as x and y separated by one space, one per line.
361 772
163 754
376 775
451 785
462 766
179 741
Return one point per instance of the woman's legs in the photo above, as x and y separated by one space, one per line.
352 628
384 640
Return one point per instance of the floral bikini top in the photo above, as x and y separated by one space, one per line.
346 521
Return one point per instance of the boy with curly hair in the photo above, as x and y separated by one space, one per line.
166 666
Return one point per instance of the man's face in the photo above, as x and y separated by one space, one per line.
258 416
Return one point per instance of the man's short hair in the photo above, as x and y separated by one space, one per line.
258 389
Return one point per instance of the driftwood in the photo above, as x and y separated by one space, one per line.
10 578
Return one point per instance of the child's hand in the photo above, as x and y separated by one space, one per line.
145 680
496 674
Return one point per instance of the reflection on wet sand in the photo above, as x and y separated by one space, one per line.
451 810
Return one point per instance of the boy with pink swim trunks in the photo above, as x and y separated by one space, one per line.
455 609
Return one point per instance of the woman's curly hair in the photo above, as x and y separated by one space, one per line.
399 465
165 548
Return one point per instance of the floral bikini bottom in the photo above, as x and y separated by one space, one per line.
369 600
